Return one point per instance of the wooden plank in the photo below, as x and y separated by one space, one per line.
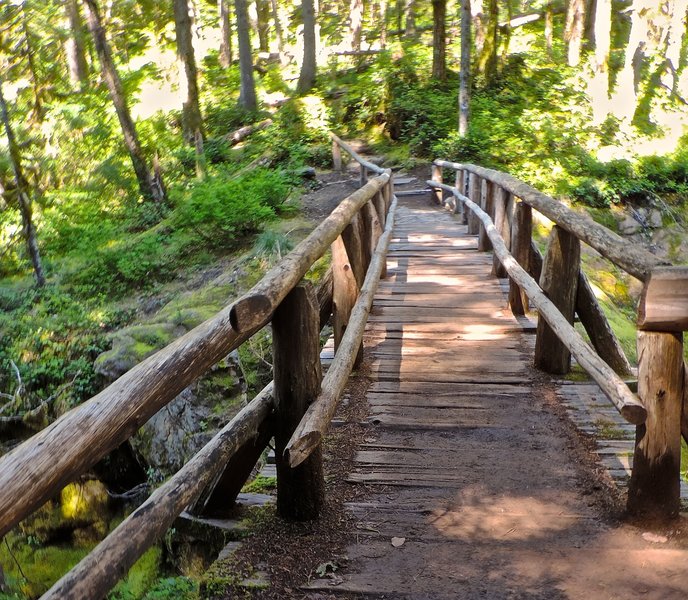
442 389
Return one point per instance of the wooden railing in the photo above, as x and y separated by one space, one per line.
498 208
358 232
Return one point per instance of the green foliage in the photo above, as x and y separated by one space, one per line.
260 485
140 578
173 588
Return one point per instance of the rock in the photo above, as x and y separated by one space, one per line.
307 173
629 226
655 219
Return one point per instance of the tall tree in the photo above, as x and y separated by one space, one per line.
308 66
465 69
677 29
192 122
150 185
74 45
488 58
23 198
383 23
573 35
599 85
279 34
356 26
410 10
549 28
223 9
439 40
247 93
263 25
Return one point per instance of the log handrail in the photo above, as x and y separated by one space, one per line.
630 257
625 401
357 157
37 469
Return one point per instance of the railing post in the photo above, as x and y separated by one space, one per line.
521 235
344 293
559 282
437 193
353 240
336 156
654 490
473 194
503 207
487 204
297 377
364 176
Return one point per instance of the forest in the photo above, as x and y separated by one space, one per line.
155 157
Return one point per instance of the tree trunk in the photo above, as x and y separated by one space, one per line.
480 29
488 60
22 194
279 36
383 24
575 21
549 29
599 85
356 12
439 40
308 66
192 121
224 10
677 28
263 25
465 72
149 186
410 9
74 45
247 94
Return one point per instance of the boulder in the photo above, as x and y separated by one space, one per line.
629 226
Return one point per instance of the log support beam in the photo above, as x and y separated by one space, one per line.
336 156
654 489
297 380
559 282
474 195
521 234
487 204
438 193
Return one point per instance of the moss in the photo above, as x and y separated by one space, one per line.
140 578
260 485
608 430
577 373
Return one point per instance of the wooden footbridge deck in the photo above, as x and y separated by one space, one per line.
472 491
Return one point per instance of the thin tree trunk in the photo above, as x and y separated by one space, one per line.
192 121
410 10
480 29
575 22
308 66
23 199
439 40
465 72
263 25
149 186
224 10
74 45
489 56
247 94
677 29
549 29
279 35
38 112
599 85
356 12
383 24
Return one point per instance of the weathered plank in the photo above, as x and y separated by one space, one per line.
664 301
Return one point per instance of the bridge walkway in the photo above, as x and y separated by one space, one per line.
473 484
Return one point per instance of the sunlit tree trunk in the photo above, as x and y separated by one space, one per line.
488 60
279 34
151 187
192 121
74 45
247 93
23 198
549 28
263 25
573 35
599 85
224 11
308 66
383 24
439 36
356 14
410 10
465 70
480 29
38 111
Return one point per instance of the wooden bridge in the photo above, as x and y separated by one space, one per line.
466 466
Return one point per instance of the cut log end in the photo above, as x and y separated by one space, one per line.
634 414
301 448
249 312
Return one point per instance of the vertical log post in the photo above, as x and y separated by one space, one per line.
363 176
654 490
521 234
380 207
297 377
353 240
336 156
487 204
375 229
458 207
437 193
344 293
474 195
559 281
503 202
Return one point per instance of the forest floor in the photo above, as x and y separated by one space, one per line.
502 497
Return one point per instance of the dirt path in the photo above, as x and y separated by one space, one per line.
470 482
